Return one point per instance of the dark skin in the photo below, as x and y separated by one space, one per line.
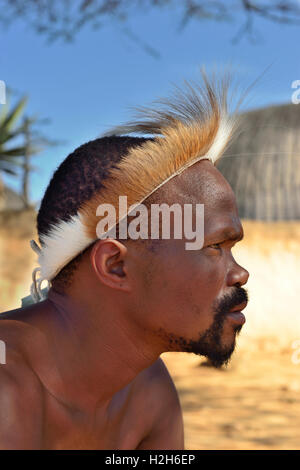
83 368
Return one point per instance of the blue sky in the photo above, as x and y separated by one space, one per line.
87 86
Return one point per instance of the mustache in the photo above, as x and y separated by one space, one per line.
237 296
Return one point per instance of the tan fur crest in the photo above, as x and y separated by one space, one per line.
194 122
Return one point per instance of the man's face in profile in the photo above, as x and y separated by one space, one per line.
187 297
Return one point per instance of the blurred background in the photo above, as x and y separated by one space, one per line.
70 70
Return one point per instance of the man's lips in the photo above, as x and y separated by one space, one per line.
240 307
236 316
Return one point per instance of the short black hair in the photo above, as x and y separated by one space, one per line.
74 182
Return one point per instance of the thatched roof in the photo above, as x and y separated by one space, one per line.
263 164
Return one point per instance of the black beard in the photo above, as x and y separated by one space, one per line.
209 343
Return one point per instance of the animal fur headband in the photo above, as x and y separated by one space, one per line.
191 126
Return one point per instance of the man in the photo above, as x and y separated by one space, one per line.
83 369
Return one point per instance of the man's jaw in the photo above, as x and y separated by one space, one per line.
218 343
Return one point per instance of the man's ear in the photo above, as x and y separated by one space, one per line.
108 258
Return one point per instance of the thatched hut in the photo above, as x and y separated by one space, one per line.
263 164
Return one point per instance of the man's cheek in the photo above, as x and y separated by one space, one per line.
211 273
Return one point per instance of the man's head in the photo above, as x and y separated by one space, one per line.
182 298
176 299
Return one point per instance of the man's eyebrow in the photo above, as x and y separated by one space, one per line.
228 235
233 235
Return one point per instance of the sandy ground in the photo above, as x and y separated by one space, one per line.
255 402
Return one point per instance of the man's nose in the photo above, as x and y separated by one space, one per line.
237 276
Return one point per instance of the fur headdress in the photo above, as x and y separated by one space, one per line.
193 125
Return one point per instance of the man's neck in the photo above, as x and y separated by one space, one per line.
94 351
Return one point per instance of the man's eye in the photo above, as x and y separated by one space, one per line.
215 246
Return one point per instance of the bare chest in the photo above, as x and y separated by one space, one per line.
118 428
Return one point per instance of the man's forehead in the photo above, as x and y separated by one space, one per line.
201 183
204 184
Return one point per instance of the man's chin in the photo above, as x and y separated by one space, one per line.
221 359
217 346
217 354
220 354
218 358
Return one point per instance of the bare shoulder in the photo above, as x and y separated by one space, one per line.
161 406
21 403
157 378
